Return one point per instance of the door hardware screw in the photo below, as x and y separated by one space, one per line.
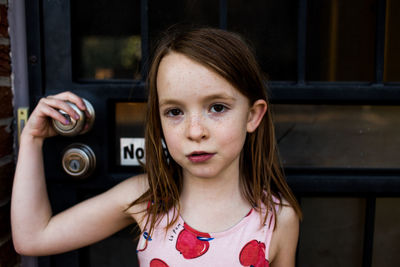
33 59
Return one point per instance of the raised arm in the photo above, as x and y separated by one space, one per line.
35 230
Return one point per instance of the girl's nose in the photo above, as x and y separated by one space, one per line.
196 130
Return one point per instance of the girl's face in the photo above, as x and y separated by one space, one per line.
204 119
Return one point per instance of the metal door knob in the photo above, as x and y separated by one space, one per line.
79 160
75 127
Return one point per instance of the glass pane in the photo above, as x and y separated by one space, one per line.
129 123
392 42
341 40
106 44
338 136
387 233
331 233
271 27
163 14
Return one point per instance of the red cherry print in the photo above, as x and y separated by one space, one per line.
191 243
158 263
253 254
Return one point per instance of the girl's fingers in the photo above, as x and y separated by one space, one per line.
57 104
71 97
54 114
50 107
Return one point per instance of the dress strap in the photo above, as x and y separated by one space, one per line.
270 223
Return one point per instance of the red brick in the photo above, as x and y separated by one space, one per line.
6 141
8 256
6 180
5 227
5 61
3 21
6 97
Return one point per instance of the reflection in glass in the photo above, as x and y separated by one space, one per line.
271 27
341 40
164 14
110 57
331 233
334 136
106 44
387 233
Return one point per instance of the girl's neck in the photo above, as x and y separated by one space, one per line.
212 204
215 189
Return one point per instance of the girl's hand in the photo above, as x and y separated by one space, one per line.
39 124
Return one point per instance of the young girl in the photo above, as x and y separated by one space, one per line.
217 198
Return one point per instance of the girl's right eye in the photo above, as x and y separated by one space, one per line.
173 112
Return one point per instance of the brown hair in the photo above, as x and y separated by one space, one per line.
261 176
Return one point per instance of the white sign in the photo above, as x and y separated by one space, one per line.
132 151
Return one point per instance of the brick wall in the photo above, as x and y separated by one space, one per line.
8 257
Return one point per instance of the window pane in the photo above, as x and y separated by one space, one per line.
341 40
392 42
163 14
338 136
271 27
106 44
331 233
387 233
129 123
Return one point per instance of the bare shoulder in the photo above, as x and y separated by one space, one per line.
287 217
285 237
135 185
132 188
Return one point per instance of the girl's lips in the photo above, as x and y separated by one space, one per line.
200 156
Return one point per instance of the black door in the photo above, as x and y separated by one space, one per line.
333 80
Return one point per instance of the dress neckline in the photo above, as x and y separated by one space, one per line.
219 234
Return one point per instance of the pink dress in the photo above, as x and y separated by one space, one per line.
245 244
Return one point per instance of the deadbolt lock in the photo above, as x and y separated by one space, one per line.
79 161
75 127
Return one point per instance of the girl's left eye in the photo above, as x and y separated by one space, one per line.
218 108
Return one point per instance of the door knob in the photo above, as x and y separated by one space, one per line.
79 160
75 127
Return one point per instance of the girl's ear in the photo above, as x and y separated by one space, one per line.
256 114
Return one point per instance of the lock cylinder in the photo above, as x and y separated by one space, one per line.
79 161
75 127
